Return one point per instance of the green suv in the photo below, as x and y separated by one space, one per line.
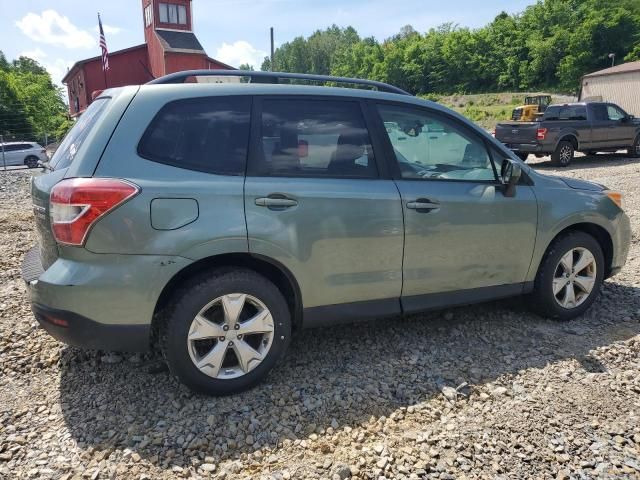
213 220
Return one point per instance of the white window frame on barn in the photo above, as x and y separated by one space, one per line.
172 13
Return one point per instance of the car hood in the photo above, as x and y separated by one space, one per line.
582 184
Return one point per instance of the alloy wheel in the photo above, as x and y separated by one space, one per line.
230 336
574 278
565 154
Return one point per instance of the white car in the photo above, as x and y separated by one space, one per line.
22 153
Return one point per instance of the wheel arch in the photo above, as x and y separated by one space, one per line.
598 232
569 137
268 267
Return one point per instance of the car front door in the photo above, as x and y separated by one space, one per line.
316 202
464 240
623 132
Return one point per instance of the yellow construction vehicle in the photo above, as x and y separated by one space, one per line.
533 107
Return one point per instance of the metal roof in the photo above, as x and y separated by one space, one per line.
622 68
175 40
92 59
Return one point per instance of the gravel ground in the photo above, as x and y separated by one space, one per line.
488 391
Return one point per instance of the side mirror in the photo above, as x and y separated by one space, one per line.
510 174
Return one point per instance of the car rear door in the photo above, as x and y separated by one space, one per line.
601 126
317 202
464 240
11 155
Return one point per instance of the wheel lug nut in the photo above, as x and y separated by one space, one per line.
225 327
237 326
222 339
240 337
231 344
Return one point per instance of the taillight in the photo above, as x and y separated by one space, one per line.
541 134
76 204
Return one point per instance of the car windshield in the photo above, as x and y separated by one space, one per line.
69 147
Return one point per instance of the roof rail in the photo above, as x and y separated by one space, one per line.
273 77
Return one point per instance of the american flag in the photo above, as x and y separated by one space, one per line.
103 46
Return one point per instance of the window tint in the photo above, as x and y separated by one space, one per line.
614 113
204 134
314 138
66 152
566 112
600 112
429 146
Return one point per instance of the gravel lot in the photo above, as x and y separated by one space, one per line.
488 391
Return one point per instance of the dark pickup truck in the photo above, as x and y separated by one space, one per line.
574 127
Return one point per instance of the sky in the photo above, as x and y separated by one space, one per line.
57 33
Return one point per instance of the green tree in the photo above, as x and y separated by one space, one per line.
550 45
31 106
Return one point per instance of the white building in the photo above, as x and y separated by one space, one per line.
619 85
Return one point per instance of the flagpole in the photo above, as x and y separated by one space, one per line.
104 70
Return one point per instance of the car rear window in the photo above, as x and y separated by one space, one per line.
566 112
302 137
204 134
66 152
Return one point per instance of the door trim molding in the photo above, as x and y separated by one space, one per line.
431 301
371 309
350 312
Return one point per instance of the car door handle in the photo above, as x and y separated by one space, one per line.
277 202
423 205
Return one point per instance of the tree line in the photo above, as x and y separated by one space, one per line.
31 106
548 46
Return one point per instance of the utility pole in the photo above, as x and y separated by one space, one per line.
272 49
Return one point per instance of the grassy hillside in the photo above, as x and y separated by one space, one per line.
487 109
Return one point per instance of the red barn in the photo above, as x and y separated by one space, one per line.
170 46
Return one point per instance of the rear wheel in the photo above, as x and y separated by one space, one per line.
225 332
569 278
522 156
31 161
634 150
563 155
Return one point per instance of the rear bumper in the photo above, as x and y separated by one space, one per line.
99 301
79 331
528 147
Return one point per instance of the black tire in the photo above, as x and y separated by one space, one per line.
522 156
634 150
542 300
563 155
188 302
31 161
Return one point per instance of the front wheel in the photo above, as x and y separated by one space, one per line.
225 331
563 154
31 162
634 150
569 277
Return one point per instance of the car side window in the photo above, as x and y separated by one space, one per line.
429 146
600 112
615 113
204 134
309 138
